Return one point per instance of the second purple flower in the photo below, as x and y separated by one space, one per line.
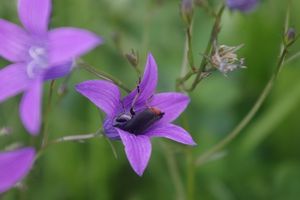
139 116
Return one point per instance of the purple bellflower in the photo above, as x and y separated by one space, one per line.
38 55
139 116
14 166
242 5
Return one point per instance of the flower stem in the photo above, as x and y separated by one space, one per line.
77 138
70 138
103 75
199 72
191 175
172 165
293 57
214 34
47 113
245 121
190 47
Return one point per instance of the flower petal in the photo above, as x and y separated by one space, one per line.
147 86
14 166
34 15
137 149
13 80
58 71
14 42
171 103
30 107
103 94
171 132
66 44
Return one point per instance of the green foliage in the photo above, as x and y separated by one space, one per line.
262 163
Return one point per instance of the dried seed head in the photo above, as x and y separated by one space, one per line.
225 59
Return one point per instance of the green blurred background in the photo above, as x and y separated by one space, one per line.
262 163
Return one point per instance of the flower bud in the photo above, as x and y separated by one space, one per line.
290 35
132 57
187 10
242 5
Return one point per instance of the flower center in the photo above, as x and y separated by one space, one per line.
139 122
38 61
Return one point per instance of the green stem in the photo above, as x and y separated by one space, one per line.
70 138
190 47
47 113
293 57
77 138
103 75
174 172
214 34
245 121
191 176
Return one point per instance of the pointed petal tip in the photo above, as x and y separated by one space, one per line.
33 131
30 108
139 173
193 143
172 132
137 149
78 87
14 166
150 55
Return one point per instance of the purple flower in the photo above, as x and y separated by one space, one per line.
139 116
242 5
14 166
38 55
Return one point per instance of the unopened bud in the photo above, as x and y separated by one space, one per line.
187 10
242 5
133 58
290 35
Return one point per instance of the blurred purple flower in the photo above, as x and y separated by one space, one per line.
14 166
139 116
242 5
38 55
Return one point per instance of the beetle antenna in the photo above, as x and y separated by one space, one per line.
136 97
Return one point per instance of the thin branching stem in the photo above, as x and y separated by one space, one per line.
102 75
214 34
199 72
77 138
293 57
245 121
